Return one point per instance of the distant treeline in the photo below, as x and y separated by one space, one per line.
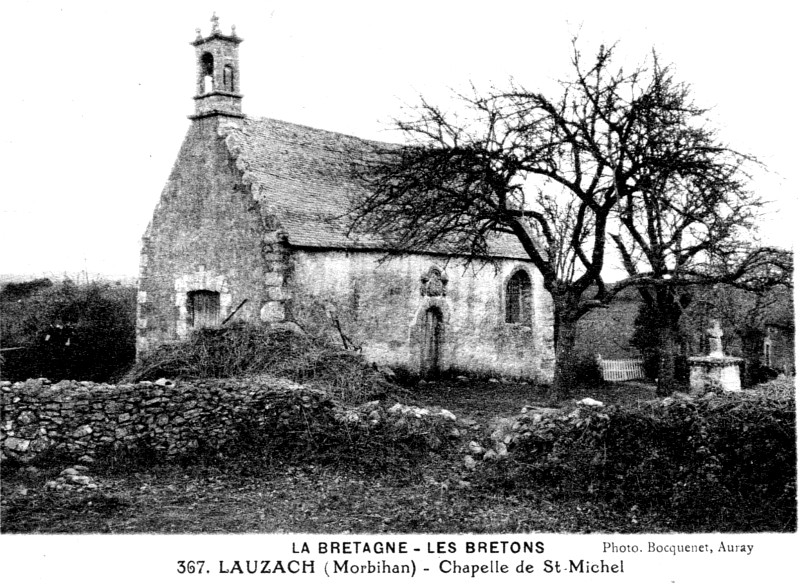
15 291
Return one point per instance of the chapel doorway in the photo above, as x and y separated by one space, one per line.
432 329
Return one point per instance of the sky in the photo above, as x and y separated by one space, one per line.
96 94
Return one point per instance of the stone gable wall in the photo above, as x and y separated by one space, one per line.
84 418
208 233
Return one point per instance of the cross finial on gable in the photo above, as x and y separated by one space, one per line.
214 23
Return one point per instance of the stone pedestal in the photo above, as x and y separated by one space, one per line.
712 372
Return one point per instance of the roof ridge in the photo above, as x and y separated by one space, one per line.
319 130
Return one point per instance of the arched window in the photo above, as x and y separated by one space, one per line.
518 298
228 78
203 307
207 67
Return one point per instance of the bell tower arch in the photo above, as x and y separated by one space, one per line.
217 58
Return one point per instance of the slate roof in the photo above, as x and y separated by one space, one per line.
303 176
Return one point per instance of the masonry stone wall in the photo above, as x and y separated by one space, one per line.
382 302
84 418
207 233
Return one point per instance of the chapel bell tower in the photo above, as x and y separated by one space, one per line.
217 58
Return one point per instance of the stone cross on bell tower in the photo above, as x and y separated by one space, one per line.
217 58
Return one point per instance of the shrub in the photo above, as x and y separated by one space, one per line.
245 350
68 331
723 463
587 371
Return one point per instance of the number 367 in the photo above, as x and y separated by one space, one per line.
190 566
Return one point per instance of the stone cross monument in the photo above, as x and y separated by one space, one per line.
716 371
715 339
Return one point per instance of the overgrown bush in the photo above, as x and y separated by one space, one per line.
587 371
67 331
325 320
724 463
245 350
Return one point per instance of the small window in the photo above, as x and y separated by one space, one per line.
204 308
207 61
518 298
207 67
228 78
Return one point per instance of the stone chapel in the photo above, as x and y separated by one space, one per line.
249 227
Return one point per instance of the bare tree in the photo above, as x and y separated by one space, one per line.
459 183
555 173
686 214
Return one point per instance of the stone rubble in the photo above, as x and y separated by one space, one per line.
475 448
73 478
504 432
589 402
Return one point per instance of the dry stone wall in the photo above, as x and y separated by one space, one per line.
85 418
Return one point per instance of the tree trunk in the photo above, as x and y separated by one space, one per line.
752 351
564 377
664 324
666 353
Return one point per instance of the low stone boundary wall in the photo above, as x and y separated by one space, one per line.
84 418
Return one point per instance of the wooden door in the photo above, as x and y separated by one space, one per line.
204 306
